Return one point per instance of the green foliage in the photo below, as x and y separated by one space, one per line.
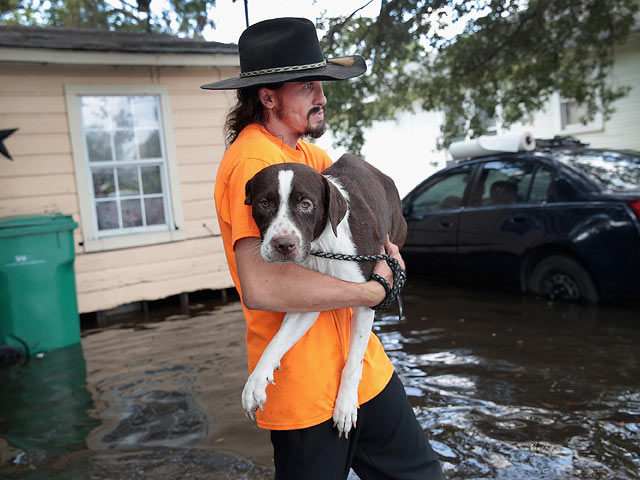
186 17
510 58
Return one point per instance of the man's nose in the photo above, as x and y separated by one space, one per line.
320 99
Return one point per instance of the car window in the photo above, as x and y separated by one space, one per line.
618 171
446 193
506 182
541 183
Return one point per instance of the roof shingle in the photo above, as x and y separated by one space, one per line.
106 41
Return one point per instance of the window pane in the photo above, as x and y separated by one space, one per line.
131 213
125 145
573 113
120 110
103 182
107 213
151 182
123 133
149 143
146 111
154 208
445 194
99 146
128 181
540 187
503 183
94 112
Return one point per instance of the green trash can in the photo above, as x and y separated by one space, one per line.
38 305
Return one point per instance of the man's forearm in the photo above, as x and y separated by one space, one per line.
287 287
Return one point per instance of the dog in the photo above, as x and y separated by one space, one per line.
348 208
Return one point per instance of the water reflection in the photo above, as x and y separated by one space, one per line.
507 387
45 404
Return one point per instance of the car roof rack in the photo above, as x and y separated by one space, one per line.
491 145
558 141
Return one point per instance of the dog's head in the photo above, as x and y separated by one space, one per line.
291 204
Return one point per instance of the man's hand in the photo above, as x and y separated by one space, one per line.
382 268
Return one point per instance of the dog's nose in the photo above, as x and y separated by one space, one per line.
284 245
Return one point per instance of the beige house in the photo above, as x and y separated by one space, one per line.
115 131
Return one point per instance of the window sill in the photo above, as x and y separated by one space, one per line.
579 128
129 241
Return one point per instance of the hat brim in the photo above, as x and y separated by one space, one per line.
330 72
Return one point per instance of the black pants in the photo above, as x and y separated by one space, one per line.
388 443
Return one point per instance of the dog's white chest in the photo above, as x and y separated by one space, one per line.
346 270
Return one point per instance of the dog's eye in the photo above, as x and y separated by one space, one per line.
306 205
265 203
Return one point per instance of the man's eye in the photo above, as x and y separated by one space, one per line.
264 203
306 205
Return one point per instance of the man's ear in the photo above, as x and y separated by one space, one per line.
336 205
266 97
248 192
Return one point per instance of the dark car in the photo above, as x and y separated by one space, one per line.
562 221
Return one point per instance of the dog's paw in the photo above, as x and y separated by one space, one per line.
254 393
345 414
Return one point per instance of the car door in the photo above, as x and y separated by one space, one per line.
432 212
504 217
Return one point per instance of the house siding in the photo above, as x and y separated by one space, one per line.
621 130
41 178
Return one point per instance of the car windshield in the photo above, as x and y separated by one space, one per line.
618 171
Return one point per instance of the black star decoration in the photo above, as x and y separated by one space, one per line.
4 134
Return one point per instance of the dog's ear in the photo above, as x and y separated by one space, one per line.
336 205
248 192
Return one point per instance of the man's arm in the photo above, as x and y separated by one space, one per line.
287 287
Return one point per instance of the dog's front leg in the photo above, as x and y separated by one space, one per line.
345 413
293 327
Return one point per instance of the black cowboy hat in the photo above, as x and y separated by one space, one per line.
284 50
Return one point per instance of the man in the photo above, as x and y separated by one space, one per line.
279 100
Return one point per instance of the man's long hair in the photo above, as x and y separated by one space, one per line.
247 110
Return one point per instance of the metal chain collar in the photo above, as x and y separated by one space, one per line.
399 276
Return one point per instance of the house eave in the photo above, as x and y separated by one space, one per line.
93 58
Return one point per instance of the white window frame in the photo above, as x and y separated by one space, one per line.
175 218
595 125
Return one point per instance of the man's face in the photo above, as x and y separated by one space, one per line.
300 106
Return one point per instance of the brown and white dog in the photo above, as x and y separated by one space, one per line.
349 208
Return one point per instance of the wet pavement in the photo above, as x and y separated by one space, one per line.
507 387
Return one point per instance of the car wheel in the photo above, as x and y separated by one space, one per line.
561 278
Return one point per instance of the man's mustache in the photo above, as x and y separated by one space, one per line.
314 110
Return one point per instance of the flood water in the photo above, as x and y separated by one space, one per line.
507 387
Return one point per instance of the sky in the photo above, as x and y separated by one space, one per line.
230 19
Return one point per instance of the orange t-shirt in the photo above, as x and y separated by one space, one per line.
308 380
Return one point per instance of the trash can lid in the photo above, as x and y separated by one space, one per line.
42 223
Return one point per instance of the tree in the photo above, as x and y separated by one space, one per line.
510 57
185 17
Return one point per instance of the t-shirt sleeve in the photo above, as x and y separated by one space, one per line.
240 218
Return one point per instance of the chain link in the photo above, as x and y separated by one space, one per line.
399 275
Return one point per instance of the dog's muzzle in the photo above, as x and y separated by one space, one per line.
283 249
